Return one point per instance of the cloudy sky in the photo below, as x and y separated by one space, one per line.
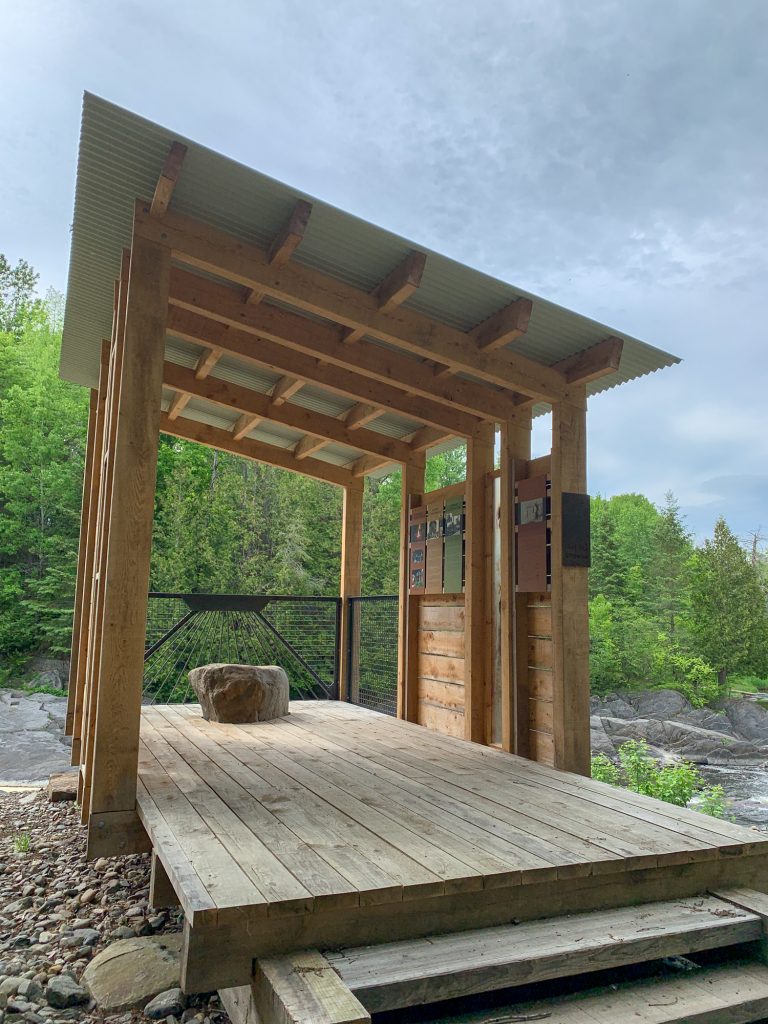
611 155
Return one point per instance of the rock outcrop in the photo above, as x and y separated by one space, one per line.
241 693
735 733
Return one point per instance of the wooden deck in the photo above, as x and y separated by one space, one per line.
340 826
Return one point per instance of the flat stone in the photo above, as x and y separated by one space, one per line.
131 972
62 786
241 693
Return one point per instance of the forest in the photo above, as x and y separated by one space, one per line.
664 610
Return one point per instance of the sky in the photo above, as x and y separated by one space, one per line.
610 155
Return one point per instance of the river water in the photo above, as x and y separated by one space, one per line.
747 790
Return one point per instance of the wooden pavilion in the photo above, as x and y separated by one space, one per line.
211 303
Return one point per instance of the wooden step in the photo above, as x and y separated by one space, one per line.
725 994
420 971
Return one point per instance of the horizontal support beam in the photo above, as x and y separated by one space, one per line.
270 454
206 248
245 425
206 362
219 302
360 414
245 400
396 287
308 445
178 404
277 357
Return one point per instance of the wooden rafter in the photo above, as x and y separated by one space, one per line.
396 287
169 175
285 388
206 362
280 359
360 414
214 437
428 437
308 445
590 364
245 425
244 400
287 240
504 326
206 248
178 404
218 302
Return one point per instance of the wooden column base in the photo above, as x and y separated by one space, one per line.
115 834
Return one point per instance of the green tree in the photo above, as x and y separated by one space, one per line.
728 617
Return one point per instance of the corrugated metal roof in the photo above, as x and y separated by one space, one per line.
120 159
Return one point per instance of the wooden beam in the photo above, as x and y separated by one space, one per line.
283 458
121 668
428 437
368 463
396 287
504 326
308 445
411 490
169 175
513 607
360 414
245 425
178 404
303 988
206 248
84 563
350 585
477 566
592 363
206 362
286 241
570 618
285 388
276 357
244 400
220 303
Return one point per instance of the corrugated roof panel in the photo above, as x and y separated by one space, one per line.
120 158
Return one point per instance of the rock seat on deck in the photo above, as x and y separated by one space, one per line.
241 693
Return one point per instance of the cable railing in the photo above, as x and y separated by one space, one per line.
184 631
372 677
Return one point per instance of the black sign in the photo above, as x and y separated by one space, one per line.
576 547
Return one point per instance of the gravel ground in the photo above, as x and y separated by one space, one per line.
57 911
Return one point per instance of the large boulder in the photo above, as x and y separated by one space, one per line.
749 719
129 973
241 693
662 704
599 740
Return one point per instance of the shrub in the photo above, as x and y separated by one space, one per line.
680 783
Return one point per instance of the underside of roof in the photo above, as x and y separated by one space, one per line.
121 156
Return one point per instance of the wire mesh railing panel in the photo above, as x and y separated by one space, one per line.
372 681
205 629
310 625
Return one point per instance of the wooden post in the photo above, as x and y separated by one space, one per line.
570 615
351 573
412 488
113 825
515 453
478 620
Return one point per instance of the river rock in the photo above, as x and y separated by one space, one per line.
130 972
63 992
167 1004
241 693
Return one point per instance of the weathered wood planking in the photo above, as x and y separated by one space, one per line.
440 667
401 974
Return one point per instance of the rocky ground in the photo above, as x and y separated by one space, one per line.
32 741
58 913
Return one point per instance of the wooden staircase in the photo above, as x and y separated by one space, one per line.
347 986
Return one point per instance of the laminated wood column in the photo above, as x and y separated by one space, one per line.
351 573
478 611
113 824
408 607
570 614
82 606
514 456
